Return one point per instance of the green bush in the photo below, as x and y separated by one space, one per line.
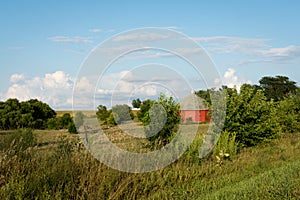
288 112
226 146
121 113
163 122
250 116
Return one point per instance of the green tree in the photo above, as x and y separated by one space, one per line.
136 103
205 94
102 113
288 112
250 116
78 119
278 87
144 108
72 128
122 113
65 120
162 124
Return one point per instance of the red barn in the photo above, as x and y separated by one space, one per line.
193 109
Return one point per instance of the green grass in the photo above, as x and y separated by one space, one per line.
58 166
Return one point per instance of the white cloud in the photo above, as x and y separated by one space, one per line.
56 89
53 89
225 44
284 52
68 39
95 30
140 37
16 78
231 80
256 50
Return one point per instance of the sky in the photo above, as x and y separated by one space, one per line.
46 44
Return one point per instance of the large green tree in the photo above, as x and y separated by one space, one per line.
278 87
28 114
250 115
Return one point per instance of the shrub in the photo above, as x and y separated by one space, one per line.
226 146
250 116
121 113
164 120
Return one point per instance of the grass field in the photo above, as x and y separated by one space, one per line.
57 166
60 113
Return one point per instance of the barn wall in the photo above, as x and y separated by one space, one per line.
195 115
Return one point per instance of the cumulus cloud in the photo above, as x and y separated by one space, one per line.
57 88
16 78
231 80
68 39
54 88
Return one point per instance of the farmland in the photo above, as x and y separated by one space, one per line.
57 166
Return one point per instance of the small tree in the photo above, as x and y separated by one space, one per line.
163 120
102 113
122 113
136 103
144 108
78 119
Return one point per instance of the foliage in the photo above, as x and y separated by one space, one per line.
136 103
65 170
288 112
28 114
226 146
121 113
144 108
111 120
102 113
205 94
278 87
62 122
250 116
78 119
163 122
72 128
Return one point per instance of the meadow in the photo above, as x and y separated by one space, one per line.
54 164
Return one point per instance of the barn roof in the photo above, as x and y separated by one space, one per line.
192 102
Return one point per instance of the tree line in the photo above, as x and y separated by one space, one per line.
32 114
254 114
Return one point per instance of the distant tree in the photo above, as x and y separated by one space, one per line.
28 114
102 113
78 119
122 113
65 120
72 128
136 103
278 87
144 108
204 94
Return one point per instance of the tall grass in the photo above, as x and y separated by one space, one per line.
68 171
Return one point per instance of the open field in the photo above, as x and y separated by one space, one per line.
59 167
88 113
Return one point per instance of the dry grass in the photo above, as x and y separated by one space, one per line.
87 113
267 171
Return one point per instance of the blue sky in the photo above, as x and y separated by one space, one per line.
43 43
